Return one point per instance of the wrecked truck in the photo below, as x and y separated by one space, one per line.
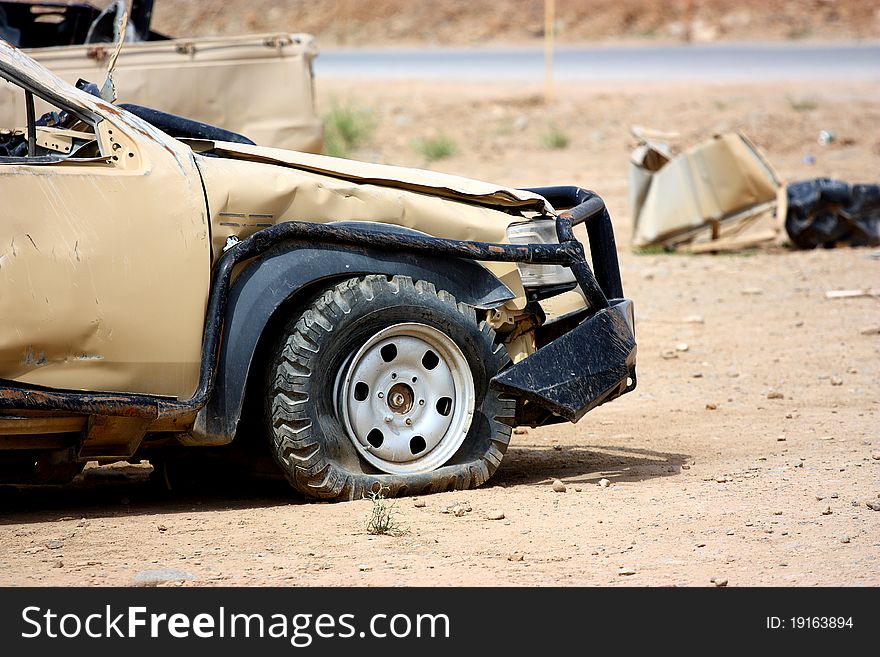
260 85
371 327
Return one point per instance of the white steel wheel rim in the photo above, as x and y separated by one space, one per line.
407 399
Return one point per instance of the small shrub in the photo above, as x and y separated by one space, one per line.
803 104
555 139
346 128
436 148
383 514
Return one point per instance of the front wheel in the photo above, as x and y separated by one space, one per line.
385 384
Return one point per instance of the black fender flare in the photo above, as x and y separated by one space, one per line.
286 269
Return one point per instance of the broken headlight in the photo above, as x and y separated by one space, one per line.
540 231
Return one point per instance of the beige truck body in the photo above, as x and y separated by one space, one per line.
260 86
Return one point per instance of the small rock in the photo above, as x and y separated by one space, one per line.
557 448
777 513
578 489
626 572
875 456
495 515
420 504
826 511
162 528
844 539
752 291
719 581
558 486
834 496
711 407
721 480
697 375
694 319
58 564
775 394
161 576
516 556
520 431
54 544
701 545
781 438
874 505
604 483
364 567
871 330
836 381
682 346
668 354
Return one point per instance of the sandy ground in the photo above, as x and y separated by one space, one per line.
711 475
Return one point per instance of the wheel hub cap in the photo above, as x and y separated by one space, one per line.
407 399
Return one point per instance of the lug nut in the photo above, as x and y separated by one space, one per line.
408 421
389 419
381 395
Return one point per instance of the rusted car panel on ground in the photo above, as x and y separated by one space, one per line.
257 85
149 286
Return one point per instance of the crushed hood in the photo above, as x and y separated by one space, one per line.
383 175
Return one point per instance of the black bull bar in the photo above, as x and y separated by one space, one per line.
594 360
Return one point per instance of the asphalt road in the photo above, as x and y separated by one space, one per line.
703 62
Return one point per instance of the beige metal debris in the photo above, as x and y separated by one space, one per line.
714 191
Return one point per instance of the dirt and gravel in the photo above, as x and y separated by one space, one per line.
749 453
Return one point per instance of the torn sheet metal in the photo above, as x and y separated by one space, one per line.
673 199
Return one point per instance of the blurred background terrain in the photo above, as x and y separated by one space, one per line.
475 22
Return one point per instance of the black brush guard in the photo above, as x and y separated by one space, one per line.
590 360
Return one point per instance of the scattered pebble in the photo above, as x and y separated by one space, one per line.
775 394
721 480
558 486
844 539
682 346
871 330
54 544
516 556
162 528
604 483
58 564
626 572
420 504
875 456
781 438
777 513
578 489
694 319
668 354
557 448
364 567
834 496
836 381
826 511
719 581
161 576
874 505
711 407
520 431
752 291
495 515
